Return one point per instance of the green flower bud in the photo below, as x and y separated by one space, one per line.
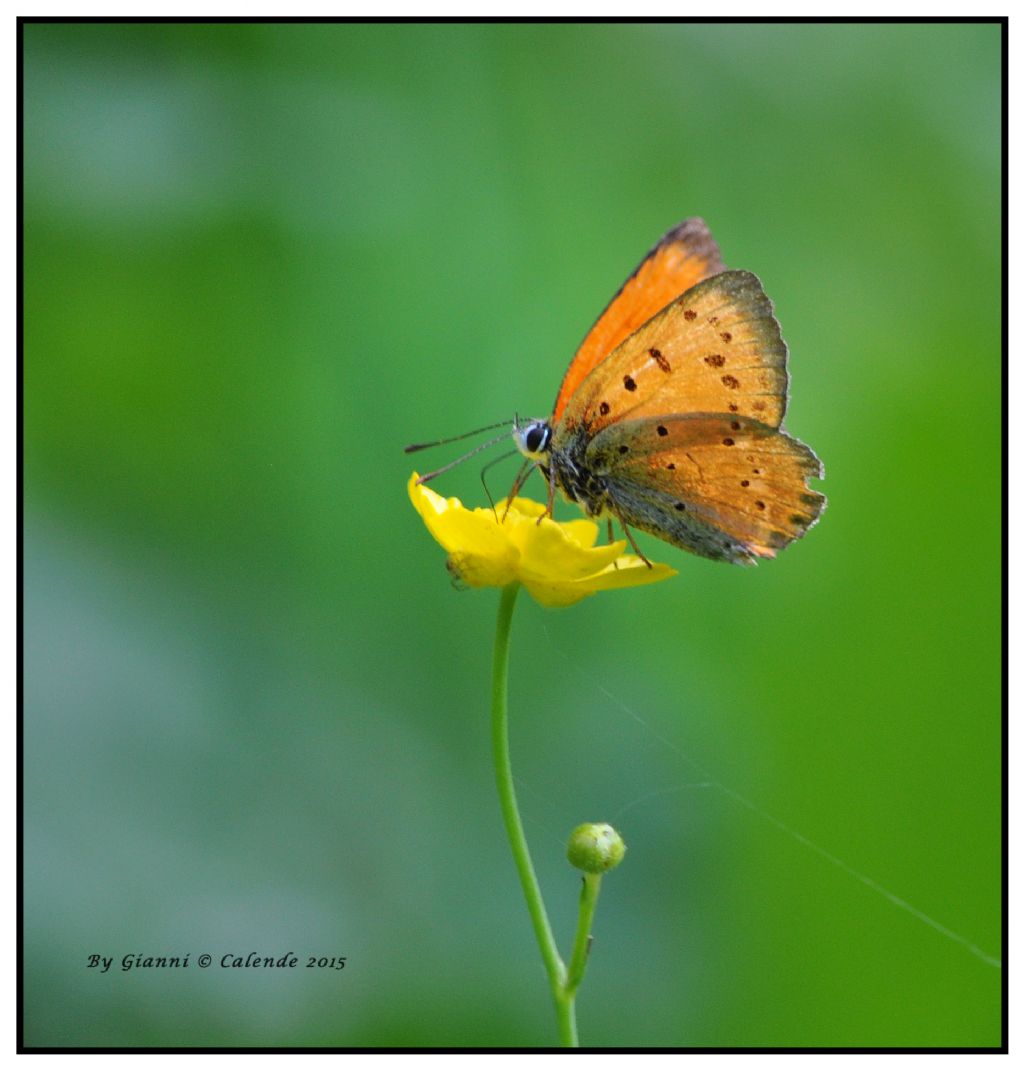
595 848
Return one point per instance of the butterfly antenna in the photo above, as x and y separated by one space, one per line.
455 438
458 460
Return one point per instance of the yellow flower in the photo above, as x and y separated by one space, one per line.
557 563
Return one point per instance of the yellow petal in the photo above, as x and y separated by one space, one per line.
582 531
479 550
632 572
549 552
555 595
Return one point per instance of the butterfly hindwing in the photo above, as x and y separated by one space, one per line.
722 486
716 348
684 256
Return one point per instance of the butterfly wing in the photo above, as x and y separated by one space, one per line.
729 488
684 256
716 348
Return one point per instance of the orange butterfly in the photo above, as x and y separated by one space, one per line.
669 417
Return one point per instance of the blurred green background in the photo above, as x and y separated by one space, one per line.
261 258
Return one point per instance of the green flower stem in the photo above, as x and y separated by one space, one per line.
581 946
565 1001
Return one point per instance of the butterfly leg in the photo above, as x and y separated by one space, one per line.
517 485
611 538
632 542
551 496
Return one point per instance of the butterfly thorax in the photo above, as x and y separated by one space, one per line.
579 483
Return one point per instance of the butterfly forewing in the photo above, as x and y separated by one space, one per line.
715 348
683 257
725 487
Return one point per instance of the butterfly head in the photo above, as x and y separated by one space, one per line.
533 439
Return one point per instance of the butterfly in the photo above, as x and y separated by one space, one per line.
669 418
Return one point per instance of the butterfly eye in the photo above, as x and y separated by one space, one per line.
535 438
